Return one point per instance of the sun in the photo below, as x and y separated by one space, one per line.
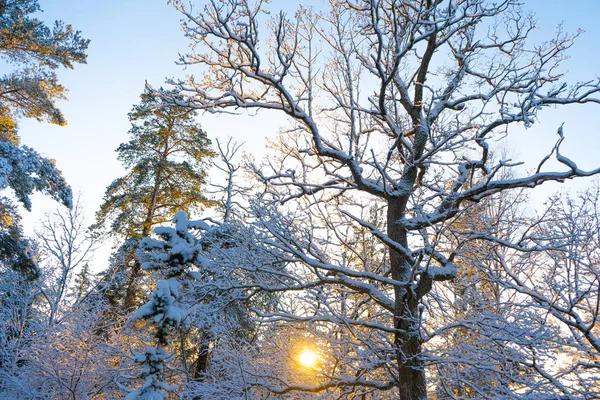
307 358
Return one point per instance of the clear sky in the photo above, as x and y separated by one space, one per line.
137 40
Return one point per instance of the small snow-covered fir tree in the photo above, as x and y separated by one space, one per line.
174 258
202 311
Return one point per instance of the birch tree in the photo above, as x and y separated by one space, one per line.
66 247
229 193
400 102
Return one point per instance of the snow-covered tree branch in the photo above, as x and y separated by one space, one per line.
395 103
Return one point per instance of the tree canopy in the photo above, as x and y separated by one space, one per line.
165 161
39 50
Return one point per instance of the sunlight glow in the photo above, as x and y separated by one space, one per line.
307 358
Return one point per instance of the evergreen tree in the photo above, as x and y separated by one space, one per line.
30 91
84 281
177 257
165 161
16 251
27 42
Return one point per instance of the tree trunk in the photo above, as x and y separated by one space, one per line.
411 374
149 221
201 363
132 292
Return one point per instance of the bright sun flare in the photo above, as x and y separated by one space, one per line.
307 358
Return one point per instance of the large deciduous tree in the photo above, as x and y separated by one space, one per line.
399 102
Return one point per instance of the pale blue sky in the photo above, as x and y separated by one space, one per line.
137 40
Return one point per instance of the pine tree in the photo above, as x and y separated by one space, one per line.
16 251
84 281
28 42
165 161
30 91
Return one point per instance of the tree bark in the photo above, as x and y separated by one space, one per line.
132 290
411 374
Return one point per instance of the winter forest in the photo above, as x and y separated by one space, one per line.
390 243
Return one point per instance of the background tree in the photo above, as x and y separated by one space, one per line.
66 246
50 346
19 321
400 101
559 278
65 361
481 333
165 161
229 194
